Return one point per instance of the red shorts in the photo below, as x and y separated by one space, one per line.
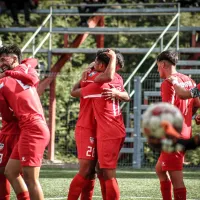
171 161
7 144
108 152
31 145
86 143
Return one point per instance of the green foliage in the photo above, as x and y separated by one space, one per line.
67 107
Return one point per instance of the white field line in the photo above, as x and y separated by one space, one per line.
128 197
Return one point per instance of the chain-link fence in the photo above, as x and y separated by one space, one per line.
65 148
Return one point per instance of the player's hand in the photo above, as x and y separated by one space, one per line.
197 119
2 75
110 93
169 129
86 71
110 53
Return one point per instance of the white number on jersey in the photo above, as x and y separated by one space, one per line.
90 152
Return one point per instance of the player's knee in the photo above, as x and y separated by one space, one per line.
87 172
10 174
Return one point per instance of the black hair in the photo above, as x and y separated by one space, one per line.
119 56
11 49
168 55
102 57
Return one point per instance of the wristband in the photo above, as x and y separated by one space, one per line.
195 92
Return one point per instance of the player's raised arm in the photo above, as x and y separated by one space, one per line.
108 74
25 72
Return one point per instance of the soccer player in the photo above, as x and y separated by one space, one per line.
173 162
186 94
113 132
182 92
9 134
34 133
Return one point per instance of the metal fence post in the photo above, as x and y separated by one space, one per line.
137 119
128 108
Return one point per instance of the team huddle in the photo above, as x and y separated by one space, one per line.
99 132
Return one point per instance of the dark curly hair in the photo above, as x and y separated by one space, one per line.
168 55
11 49
119 56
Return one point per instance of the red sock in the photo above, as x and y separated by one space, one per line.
76 187
23 196
5 188
112 189
166 189
88 190
103 186
180 194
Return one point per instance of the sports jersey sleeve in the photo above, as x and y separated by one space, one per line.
25 72
33 62
6 113
167 92
92 90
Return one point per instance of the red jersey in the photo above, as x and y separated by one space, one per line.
9 122
107 113
86 117
23 99
25 72
168 95
198 86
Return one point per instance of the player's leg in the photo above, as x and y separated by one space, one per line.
165 183
4 185
31 178
108 151
178 185
101 181
4 156
32 143
12 172
8 142
83 182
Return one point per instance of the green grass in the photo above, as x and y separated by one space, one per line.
134 184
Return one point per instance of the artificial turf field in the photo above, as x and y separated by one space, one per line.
134 184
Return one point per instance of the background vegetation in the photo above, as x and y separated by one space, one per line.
67 108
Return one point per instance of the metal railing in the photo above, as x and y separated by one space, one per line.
48 36
160 39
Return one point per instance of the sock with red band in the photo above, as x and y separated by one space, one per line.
112 189
76 187
180 194
23 196
166 189
4 188
88 190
